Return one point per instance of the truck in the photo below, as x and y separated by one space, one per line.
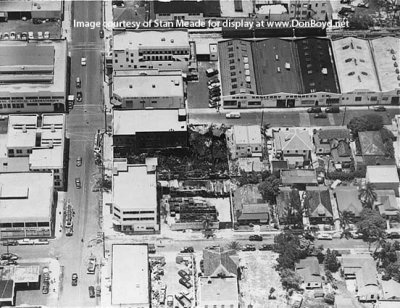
183 300
71 101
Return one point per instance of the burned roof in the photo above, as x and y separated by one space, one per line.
316 65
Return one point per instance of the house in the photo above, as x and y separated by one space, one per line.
253 213
386 203
371 143
278 165
318 202
246 141
323 137
219 262
309 271
391 290
299 177
362 268
218 292
384 178
347 200
294 146
283 201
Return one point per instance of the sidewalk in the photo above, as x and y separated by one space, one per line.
66 24
59 219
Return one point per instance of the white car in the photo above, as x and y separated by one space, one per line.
30 35
46 35
41 242
25 241
40 35
233 115
83 61
214 85
91 269
324 236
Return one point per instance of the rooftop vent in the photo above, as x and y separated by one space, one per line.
276 57
130 86
172 41
24 129
287 65
176 82
163 39
153 86
53 129
278 69
324 71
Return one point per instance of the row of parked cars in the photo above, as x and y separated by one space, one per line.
26 241
24 36
214 88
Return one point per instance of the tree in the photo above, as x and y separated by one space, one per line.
287 245
367 195
331 262
360 21
290 279
372 226
345 219
208 232
269 188
369 122
235 245
295 210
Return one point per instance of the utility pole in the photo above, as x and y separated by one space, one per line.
262 118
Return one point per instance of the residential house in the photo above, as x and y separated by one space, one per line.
384 178
246 141
372 150
283 201
299 178
386 203
294 146
317 201
309 271
254 214
278 165
347 200
362 268
219 262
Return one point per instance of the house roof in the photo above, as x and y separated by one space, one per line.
391 289
283 200
294 141
254 212
213 290
334 133
218 260
247 134
382 174
366 277
371 143
347 199
386 202
299 176
309 270
318 202
343 302
352 263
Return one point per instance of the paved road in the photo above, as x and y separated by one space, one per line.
83 122
285 117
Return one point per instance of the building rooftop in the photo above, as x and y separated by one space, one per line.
371 143
130 275
135 184
247 134
218 290
386 53
30 5
45 64
7 290
347 199
316 65
318 202
129 122
209 8
354 64
148 86
293 141
151 39
26 196
20 273
47 158
220 261
254 211
299 176
382 174
276 67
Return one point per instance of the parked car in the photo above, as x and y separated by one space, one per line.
25 241
212 105
24 36
170 301
233 115
268 247
249 247
47 35
333 109
79 97
356 235
309 236
256 237
363 5
83 61
214 86
101 33
40 35
74 279
19 36
30 35
12 35
92 293
6 36
45 288
91 269
211 72
394 235
185 283
79 161
314 110
151 248
41 241
379 108
9 256
324 236
213 81
78 82
188 249
10 243
184 274
78 183
320 116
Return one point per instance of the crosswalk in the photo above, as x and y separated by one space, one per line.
86 46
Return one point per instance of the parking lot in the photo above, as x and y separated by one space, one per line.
20 26
197 90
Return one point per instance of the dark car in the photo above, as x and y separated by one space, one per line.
45 288
379 108
258 238
185 283
320 116
249 247
10 243
334 109
92 292
309 236
314 110
189 249
268 247
79 96
9 256
78 183
101 33
394 235
184 274
74 279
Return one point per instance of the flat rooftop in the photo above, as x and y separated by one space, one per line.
50 158
151 39
218 290
135 188
247 134
148 86
130 275
26 196
45 63
30 5
382 174
205 7
354 64
386 51
20 273
129 122
276 67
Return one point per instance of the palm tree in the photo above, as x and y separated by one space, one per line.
346 218
234 245
367 195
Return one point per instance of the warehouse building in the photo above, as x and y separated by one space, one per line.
11 9
33 76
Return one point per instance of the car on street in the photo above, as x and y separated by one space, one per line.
79 96
184 274
45 288
185 283
9 256
211 72
314 110
249 247
40 35
188 249
266 247
333 109
78 82
233 115
324 236
30 35
12 35
92 293
356 235
79 161
256 237
74 279
25 241
170 301
394 235
83 61
47 35
101 33
78 183
309 236
41 241
379 108
320 116
10 243
91 269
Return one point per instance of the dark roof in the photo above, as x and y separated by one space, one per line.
209 8
299 176
129 14
279 164
6 289
371 143
254 212
316 65
309 270
318 202
334 133
268 56
218 260
283 200
347 200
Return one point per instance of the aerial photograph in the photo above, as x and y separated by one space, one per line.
200 153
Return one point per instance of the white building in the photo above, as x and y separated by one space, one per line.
33 76
246 141
151 49
26 204
130 278
149 89
135 197
218 292
34 143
